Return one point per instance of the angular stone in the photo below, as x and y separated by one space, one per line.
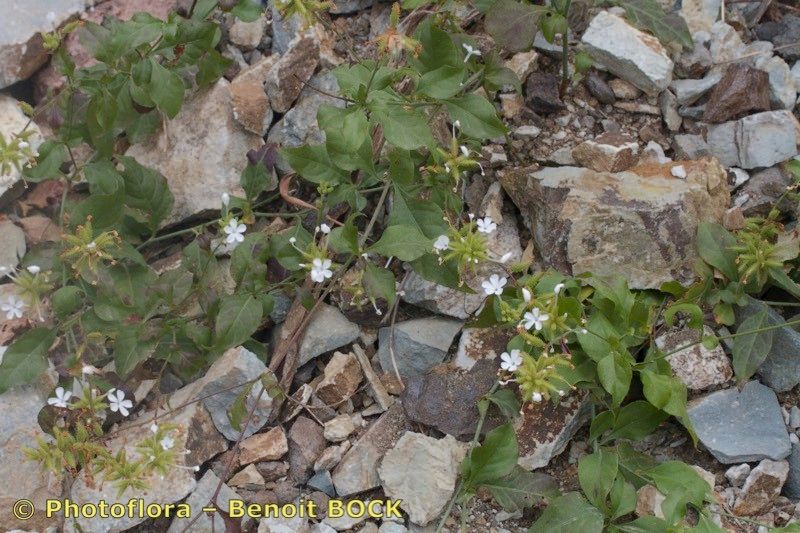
542 93
327 330
251 106
422 472
759 140
202 151
726 44
640 224
700 15
247 35
293 69
783 34
690 146
762 487
358 470
341 379
598 88
737 475
12 246
12 122
792 486
759 194
477 344
200 497
522 63
418 345
440 299
688 92
330 457
648 501
248 478
696 366
609 152
669 110
783 92
339 428
741 91
624 90
280 524
269 446
629 53
544 430
306 444
741 426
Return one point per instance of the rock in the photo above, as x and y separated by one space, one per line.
688 92
511 104
341 379
562 156
758 194
322 481
609 152
725 45
694 63
544 430
440 299
782 88
477 344
347 521
247 35
615 224
762 487
741 91
331 456
759 140
629 53
624 90
269 446
19 429
529 130
522 64
445 397
700 15
422 472
293 69
418 344
12 246
283 525
781 369
327 330
272 470
251 106
358 470
690 146
648 502
669 110
737 474
792 487
200 497
741 426
202 150
696 366
599 88
305 445
542 93
339 428
653 153
392 527
12 122
248 478
783 33
794 417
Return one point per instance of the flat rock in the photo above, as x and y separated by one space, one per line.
477 344
294 68
339 428
696 366
762 487
609 152
640 224
422 472
203 150
759 140
306 443
358 470
741 91
419 344
440 299
689 91
12 246
327 330
268 446
12 122
340 380
199 498
544 430
629 53
741 426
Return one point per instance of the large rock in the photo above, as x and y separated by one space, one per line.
422 472
201 497
12 122
327 330
759 140
19 429
741 426
742 90
418 344
640 224
629 53
696 366
202 154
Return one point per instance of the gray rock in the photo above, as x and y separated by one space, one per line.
12 122
700 15
791 488
201 497
306 443
690 146
284 30
629 53
422 472
783 33
796 75
283 525
794 417
440 299
741 426
346 7
781 369
688 92
669 110
327 330
758 194
696 366
759 140
783 92
247 35
419 344
726 45
737 474
12 246
322 481
599 88
287 77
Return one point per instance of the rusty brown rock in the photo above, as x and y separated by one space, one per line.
251 106
341 379
609 152
762 487
286 79
268 446
741 91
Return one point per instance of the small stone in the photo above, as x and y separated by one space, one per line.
542 93
740 426
202 494
341 379
759 194
327 330
422 472
759 140
339 428
648 502
562 156
669 110
609 152
631 54
392 527
511 104
689 147
783 92
247 478
794 417
527 131
678 171
654 153
598 88
741 91
624 90
247 35
694 63
322 481
733 219
700 15
726 45
251 106
688 92
762 487
272 470
293 69
476 344
740 177
269 446
696 366
737 474
306 443
345 522
280 524
418 345
330 457
12 246
522 64
783 34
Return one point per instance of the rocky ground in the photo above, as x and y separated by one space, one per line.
619 172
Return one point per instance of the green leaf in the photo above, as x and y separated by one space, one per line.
513 24
26 358
440 63
445 274
344 239
255 179
313 164
66 300
404 242
494 459
477 116
497 75
347 138
423 215
379 284
596 474
238 317
166 89
403 126
693 310
750 350
506 401
779 278
644 524
622 498
636 420
615 374
521 489
668 394
248 10
210 68
681 485
129 350
146 190
714 245
238 410
570 513
51 156
650 16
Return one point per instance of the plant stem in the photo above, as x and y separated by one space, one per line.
565 51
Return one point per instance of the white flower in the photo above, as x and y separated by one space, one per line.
485 225
226 199
167 442
292 240
557 288
89 369
493 285
2 353
117 402
510 361
154 427
235 231
34 269
535 319
526 295
506 257
92 245
22 145
457 124
321 269
465 150
441 243
470 52
324 228
13 307
536 397
61 399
